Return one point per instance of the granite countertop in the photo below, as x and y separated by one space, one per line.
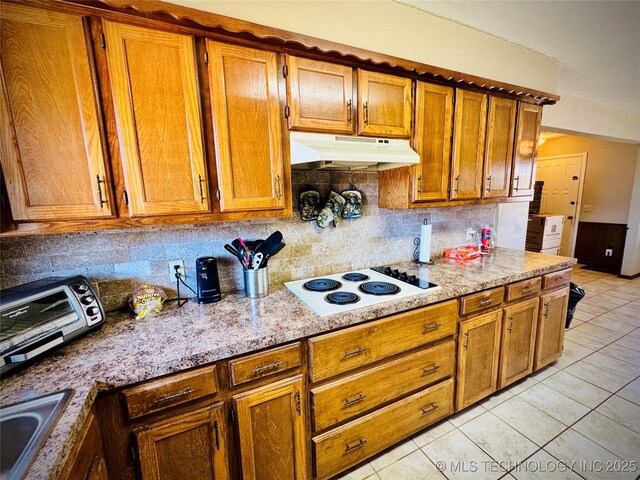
126 351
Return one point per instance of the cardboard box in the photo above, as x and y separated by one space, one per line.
544 231
548 251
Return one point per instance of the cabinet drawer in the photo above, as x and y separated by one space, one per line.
481 300
351 443
557 280
170 391
339 352
345 398
523 289
263 364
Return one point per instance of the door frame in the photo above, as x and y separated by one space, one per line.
583 170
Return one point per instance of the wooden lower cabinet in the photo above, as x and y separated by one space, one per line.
478 353
518 341
272 431
552 317
353 442
189 445
86 461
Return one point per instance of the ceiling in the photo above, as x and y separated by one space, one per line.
596 43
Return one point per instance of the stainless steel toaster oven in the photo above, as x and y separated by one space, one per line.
39 316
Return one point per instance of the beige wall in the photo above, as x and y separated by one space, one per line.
631 259
388 27
609 177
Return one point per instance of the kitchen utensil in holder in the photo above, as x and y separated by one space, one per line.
422 253
256 282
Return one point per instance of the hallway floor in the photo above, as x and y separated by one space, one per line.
578 418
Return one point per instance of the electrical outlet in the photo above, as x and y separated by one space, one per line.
586 208
471 234
608 252
181 270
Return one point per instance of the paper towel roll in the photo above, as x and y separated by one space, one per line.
425 243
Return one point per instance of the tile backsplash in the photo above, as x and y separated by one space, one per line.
117 261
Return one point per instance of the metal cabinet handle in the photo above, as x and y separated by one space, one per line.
263 368
426 411
457 183
100 199
357 399
298 406
216 434
546 310
489 183
486 302
349 112
366 113
201 188
357 351
431 327
517 180
278 191
427 371
168 398
510 327
466 341
349 448
420 184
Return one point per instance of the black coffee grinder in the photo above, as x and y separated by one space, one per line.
207 280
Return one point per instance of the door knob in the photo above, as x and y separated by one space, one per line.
573 203
570 217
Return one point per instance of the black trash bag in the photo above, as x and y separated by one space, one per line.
575 295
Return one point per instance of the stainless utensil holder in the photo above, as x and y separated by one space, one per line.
256 282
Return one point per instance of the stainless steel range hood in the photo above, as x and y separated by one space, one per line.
345 153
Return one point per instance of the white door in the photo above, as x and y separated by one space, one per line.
563 177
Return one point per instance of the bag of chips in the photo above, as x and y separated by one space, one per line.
146 299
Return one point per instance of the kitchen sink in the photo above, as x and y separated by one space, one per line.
24 427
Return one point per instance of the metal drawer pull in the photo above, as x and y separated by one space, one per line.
486 302
427 371
426 411
168 398
526 289
355 352
359 398
430 328
349 448
271 366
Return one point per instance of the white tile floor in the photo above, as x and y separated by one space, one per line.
579 418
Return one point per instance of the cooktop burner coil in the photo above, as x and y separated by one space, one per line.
355 277
342 298
379 288
322 285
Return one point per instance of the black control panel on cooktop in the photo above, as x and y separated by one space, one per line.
404 277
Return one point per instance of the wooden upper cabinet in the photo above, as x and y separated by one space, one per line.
51 150
384 105
526 147
248 134
157 104
189 445
501 123
470 120
272 433
432 141
319 96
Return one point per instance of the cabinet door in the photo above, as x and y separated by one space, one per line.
319 95
501 127
190 445
478 352
246 113
51 150
518 342
157 104
384 105
87 456
552 318
526 147
432 141
470 121
271 424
